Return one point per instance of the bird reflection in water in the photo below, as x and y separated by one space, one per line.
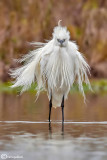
50 130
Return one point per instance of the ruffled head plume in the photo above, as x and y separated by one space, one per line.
59 23
60 31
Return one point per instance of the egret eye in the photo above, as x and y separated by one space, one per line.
58 40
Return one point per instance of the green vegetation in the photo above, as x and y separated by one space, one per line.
98 86
90 5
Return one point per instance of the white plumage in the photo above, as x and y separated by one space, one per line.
55 66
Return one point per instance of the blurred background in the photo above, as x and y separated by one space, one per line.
24 21
23 122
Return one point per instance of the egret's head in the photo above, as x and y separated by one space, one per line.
61 35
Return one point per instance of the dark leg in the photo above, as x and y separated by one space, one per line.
50 131
63 129
50 128
62 106
50 106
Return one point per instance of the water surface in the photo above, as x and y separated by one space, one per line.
25 131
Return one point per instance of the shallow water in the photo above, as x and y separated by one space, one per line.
25 131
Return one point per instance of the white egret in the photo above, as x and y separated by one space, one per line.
55 66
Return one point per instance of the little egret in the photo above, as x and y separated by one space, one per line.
55 66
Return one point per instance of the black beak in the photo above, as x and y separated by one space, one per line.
61 42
